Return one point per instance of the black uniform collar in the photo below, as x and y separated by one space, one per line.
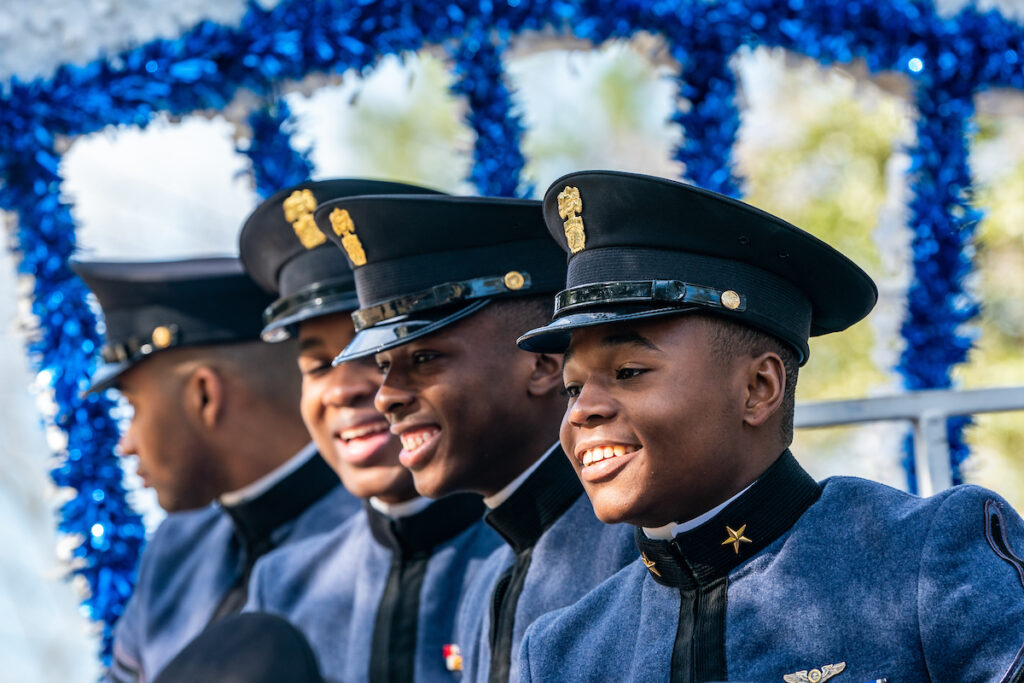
256 519
442 520
750 523
538 503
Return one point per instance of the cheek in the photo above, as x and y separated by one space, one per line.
311 405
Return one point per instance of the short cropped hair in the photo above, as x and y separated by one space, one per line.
731 339
522 314
266 370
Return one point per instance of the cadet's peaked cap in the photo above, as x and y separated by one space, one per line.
642 247
156 305
423 262
287 254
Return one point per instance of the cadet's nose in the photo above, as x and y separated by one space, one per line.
591 405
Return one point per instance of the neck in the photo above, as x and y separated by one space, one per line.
530 445
254 453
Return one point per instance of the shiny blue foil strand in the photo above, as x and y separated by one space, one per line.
480 78
203 68
62 346
275 163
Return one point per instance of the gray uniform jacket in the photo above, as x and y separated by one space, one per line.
197 564
799 581
555 552
377 597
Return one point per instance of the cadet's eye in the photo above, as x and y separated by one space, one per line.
383 366
421 357
572 390
629 373
313 367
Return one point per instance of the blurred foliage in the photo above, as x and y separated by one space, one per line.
997 440
398 121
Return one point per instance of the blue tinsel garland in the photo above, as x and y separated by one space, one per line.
947 59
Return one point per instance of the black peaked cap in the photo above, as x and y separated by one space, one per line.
287 254
642 246
424 262
151 306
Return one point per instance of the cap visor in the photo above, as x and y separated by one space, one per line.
106 376
555 337
279 328
402 330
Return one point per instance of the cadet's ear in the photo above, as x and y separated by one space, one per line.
766 388
546 374
204 395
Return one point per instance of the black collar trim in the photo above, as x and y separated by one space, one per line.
766 511
442 520
538 503
255 520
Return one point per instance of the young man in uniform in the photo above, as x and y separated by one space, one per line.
684 322
182 342
445 285
377 597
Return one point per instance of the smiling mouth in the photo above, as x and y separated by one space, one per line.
363 431
414 438
596 454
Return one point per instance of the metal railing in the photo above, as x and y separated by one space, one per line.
927 410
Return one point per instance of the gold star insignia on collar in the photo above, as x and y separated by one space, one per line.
815 675
736 537
649 564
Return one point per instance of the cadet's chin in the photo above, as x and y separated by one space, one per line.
431 484
386 482
611 507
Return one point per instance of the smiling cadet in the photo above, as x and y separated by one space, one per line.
377 597
684 322
445 286
183 348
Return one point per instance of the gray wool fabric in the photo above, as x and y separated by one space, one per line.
189 564
892 586
331 587
573 556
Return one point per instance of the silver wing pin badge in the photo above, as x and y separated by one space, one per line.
815 675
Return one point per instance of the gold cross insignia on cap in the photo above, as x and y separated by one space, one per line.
346 230
570 206
736 537
649 564
298 210
815 675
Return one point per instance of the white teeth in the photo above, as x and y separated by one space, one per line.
412 441
599 453
364 430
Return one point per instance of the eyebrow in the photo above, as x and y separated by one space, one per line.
310 342
630 338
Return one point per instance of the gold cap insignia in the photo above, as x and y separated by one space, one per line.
298 210
161 337
815 675
730 299
649 564
570 205
346 230
514 280
736 537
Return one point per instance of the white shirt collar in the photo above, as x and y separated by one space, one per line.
267 481
407 508
501 496
673 529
